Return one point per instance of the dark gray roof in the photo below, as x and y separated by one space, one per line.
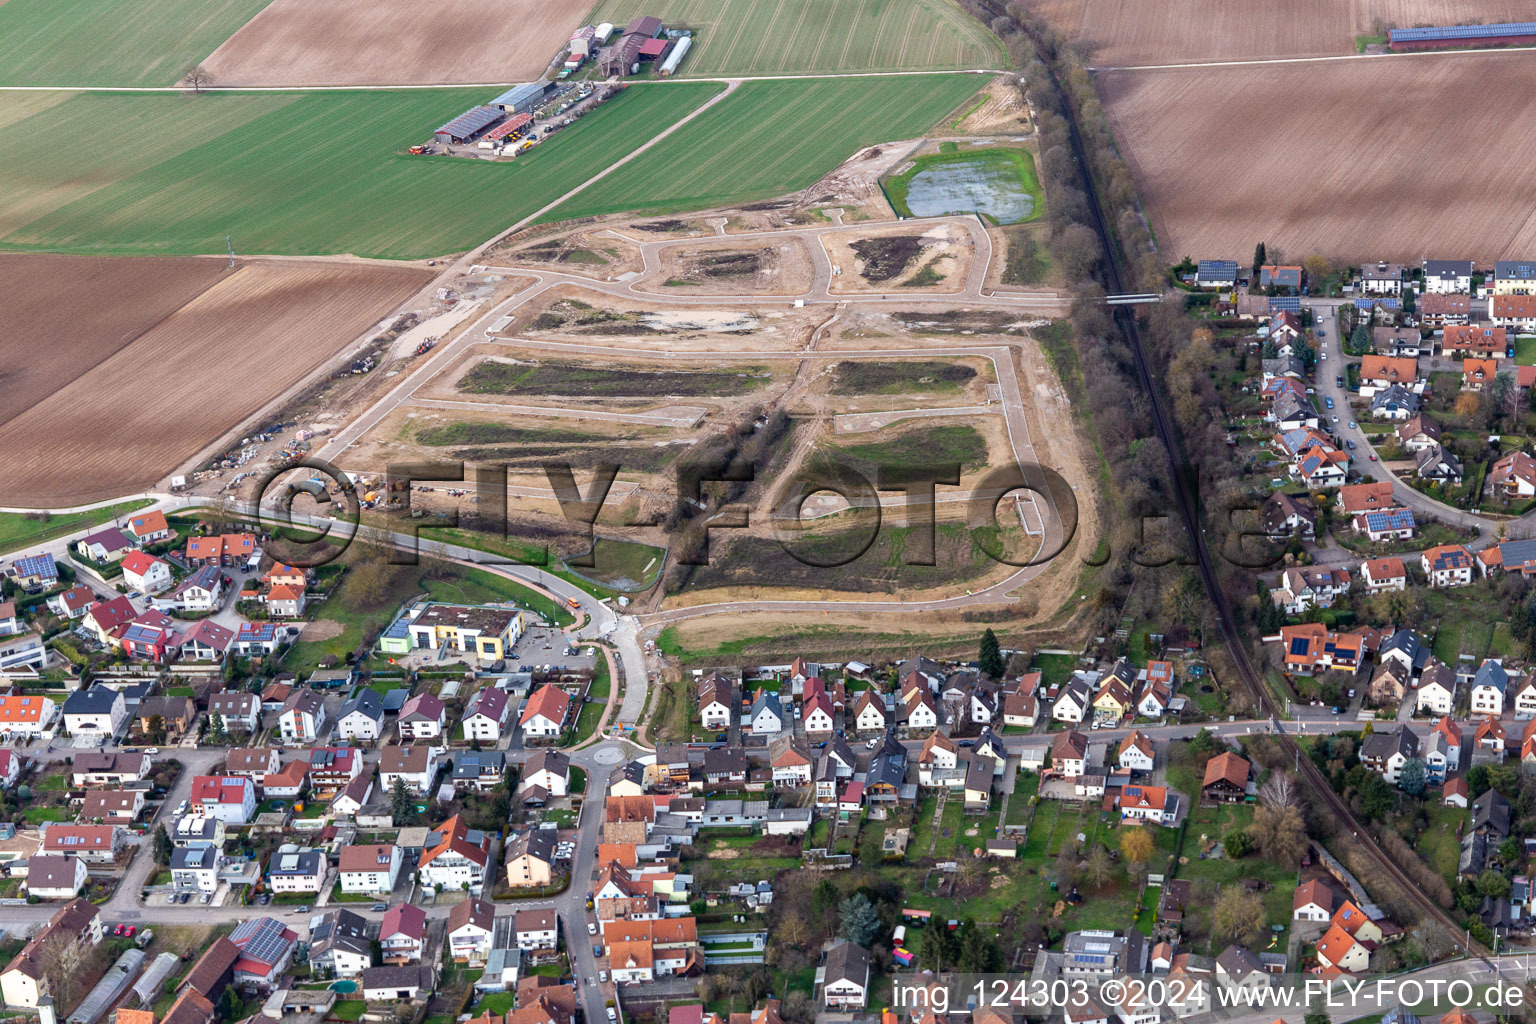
1490 813
366 702
847 962
1491 674
95 700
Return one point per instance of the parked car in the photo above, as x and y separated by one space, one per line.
602 976
379 908
1328 401
1373 456
1350 445
591 928
1323 354
1353 425
1338 381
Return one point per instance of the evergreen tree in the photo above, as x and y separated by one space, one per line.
859 921
162 846
1258 260
402 806
1412 778
991 657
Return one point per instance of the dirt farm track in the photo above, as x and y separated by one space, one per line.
125 367
396 42
1135 32
1364 159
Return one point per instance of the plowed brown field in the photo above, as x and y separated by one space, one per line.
1134 32
106 304
104 427
1329 157
396 42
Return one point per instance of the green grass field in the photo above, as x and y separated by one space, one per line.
19 529
289 173
777 37
112 42
769 138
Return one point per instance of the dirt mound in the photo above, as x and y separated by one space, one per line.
885 258
322 629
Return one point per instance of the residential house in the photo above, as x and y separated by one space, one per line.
1147 803
918 711
398 984
371 868
230 798
1386 753
26 715
1397 341
1417 433
1395 403
1388 685
1381 574
195 867
1069 751
870 714
1379 372
1489 686
766 716
206 640
1283 517
939 761
302 717
845 977
479 770
73 603
549 770
1491 343
403 934
816 709
1314 901
1438 464
715 701
1309 587
1338 949
455 856
112 806
469 930
107 545
339 942
175 714
116 768
790 764
1072 704
1514 476
1447 565
285 601
1490 737
148 528
55 876
1450 733
416 765
545 713
977 787
97 711
225 549
1226 779
423 717
537 930
1477 374
1437 311
146 573
1278 276
1446 277
1516 311
1210 274
254 763
27 978
202 591
295 869
362 717
1136 752
1524 700
1381 278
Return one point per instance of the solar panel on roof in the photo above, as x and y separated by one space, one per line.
261 939
1508 28
1285 304
1299 645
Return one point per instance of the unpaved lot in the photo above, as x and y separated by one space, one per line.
724 267
396 42
1227 157
590 252
935 258
123 424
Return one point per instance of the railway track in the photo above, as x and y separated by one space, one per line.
1182 474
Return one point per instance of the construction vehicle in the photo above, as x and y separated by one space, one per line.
425 346
417 150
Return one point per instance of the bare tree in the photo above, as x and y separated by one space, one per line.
1238 914
1279 790
198 77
